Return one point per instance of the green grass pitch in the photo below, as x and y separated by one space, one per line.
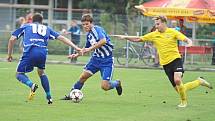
147 96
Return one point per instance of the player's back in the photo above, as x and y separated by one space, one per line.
35 34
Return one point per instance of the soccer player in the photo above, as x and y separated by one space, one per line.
35 41
165 40
102 58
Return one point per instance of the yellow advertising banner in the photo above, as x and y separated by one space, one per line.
175 12
201 19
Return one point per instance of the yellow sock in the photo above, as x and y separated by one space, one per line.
182 92
192 85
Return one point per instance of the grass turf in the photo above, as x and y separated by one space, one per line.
147 96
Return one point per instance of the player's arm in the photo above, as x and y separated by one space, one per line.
11 43
130 38
68 42
182 37
188 41
95 46
98 44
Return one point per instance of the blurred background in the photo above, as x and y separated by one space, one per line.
116 16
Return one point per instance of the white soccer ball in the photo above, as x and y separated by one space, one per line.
76 95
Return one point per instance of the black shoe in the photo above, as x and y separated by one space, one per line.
50 101
119 88
66 98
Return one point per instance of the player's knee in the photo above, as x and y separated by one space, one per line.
177 78
177 81
105 85
83 77
40 72
18 75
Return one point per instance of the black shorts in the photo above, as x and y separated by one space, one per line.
174 66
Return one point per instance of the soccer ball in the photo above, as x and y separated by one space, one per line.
76 95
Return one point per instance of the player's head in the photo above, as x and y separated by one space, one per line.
160 23
21 20
74 23
37 17
87 22
29 18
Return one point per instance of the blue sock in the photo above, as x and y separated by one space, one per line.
24 79
78 85
45 84
113 84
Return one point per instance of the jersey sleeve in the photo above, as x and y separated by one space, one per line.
179 35
53 34
101 34
19 32
147 37
98 32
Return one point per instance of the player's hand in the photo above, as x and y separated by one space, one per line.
85 50
188 45
72 56
140 7
9 58
78 49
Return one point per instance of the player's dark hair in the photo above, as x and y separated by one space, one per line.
87 17
162 18
37 17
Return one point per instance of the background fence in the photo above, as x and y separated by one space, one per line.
113 24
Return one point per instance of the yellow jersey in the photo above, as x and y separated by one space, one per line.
166 44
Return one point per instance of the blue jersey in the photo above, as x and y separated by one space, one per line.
95 35
35 41
35 34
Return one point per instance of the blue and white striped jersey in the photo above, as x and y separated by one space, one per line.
95 35
35 34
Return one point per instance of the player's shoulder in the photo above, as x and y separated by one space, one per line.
98 28
171 30
25 25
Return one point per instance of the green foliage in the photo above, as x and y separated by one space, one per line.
56 47
204 31
110 6
106 22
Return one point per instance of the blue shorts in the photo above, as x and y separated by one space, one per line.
104 65
35 57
